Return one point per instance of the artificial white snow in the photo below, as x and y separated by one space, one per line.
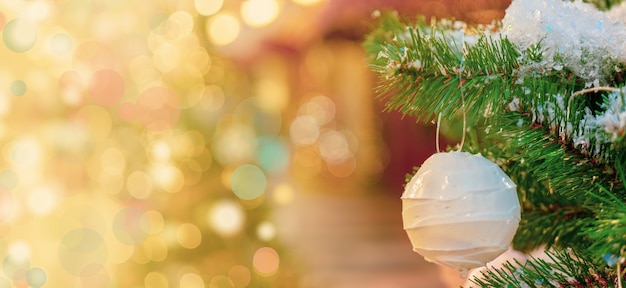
574 35
603 127
514 104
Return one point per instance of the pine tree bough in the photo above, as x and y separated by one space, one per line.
543 93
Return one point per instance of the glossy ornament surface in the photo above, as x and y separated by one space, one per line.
460 210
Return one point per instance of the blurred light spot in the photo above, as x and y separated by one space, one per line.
167 57
208 7
258 13
342 169
198 58
266 261
307 2
248 181
19 251
17 261
131 226
71 87
155 280
191 280
60 44
334 147
156 221
185 22
189 236
113 161
221 281
321 108
36 277
226 218
223 29
82 252
20 34
273 94
155 249
128 111
273 154
194 143
213 98
27 153
158 108
234 143
193 96
42 200
139 184
97 120
266 231
160 151
8 181
38 10
106 87
168 177
18 88
283 194
304 130
240 276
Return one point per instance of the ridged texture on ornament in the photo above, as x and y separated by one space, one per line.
460 210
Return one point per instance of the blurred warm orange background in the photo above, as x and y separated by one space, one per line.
204 143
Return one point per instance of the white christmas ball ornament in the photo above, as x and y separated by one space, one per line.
460 210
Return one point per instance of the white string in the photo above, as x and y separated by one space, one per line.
585 91
464 114
437 138
461 68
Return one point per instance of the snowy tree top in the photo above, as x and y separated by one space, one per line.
572 34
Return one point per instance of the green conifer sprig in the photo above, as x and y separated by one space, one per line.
425 67
560 268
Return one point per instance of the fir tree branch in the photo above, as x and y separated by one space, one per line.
427 68
562 268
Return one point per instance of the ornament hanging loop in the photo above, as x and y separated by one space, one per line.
585 91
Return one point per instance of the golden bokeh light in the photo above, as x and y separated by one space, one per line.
191 280
139 184
240 276
223 29
189 236
266 261
208 7
156 280
226 218
258 13
283 194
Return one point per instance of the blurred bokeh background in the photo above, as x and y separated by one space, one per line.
204 143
